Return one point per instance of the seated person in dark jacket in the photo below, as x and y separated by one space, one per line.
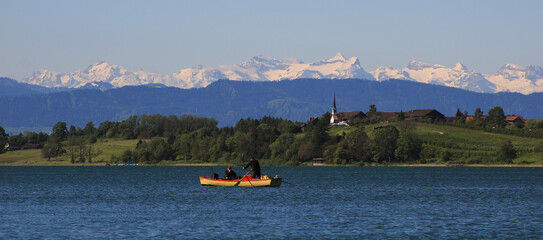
230 174
255 166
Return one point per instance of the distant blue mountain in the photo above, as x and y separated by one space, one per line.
230 101
10 87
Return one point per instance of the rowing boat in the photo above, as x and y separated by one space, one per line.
246 181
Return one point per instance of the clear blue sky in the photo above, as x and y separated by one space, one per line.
166 36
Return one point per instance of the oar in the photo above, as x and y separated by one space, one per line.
237 183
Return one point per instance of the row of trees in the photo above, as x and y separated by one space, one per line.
279 141
197 139
494 121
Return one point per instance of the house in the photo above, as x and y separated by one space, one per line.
10 147
425 113
384 116
453 119
319 161
514 119
346 116
472 118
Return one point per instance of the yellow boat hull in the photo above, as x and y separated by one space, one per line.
245 182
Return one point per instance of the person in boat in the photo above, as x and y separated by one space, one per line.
255 167
230 174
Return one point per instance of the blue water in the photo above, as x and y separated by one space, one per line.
317 202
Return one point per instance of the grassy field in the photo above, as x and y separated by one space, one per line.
466 146
108 147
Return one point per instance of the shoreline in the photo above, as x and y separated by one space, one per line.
225 164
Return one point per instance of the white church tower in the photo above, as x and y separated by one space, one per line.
334 118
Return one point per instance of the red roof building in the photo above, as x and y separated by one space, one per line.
514 119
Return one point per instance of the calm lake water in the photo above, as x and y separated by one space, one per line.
317 202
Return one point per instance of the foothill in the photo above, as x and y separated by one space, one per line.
418 136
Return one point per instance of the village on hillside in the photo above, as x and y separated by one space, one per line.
342 119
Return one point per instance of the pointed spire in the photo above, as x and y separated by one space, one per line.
334 109
334 99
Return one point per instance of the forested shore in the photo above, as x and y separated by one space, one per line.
157 139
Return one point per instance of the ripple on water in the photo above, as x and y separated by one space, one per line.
314 202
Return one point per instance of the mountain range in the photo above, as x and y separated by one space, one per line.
510 78
229 101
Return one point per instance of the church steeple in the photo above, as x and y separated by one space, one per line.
334 109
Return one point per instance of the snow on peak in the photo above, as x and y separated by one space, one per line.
514 78
416 65
460 67
534 72
458 77
510 77
263 63
100 64
338 57
387 73
509 66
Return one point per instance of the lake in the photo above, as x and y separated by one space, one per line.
314 202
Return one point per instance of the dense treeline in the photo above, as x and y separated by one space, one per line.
190 139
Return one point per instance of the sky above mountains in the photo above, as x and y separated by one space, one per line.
165 36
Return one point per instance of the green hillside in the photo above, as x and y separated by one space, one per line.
468 146
459 145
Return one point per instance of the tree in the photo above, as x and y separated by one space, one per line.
77 149
459 114
89 129
52 149
305 151
72 131
478 113
373 109
17 140
409 146
496 117
161 150
400 116
48 151
384 143
281 145
446 156
319 135
3 139
92 152
357 146
479 121
507 153
60 131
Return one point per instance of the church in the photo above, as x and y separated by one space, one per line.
340 119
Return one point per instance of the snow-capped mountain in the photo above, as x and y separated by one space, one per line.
458 77
98 72
510 78
256 69
513 78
